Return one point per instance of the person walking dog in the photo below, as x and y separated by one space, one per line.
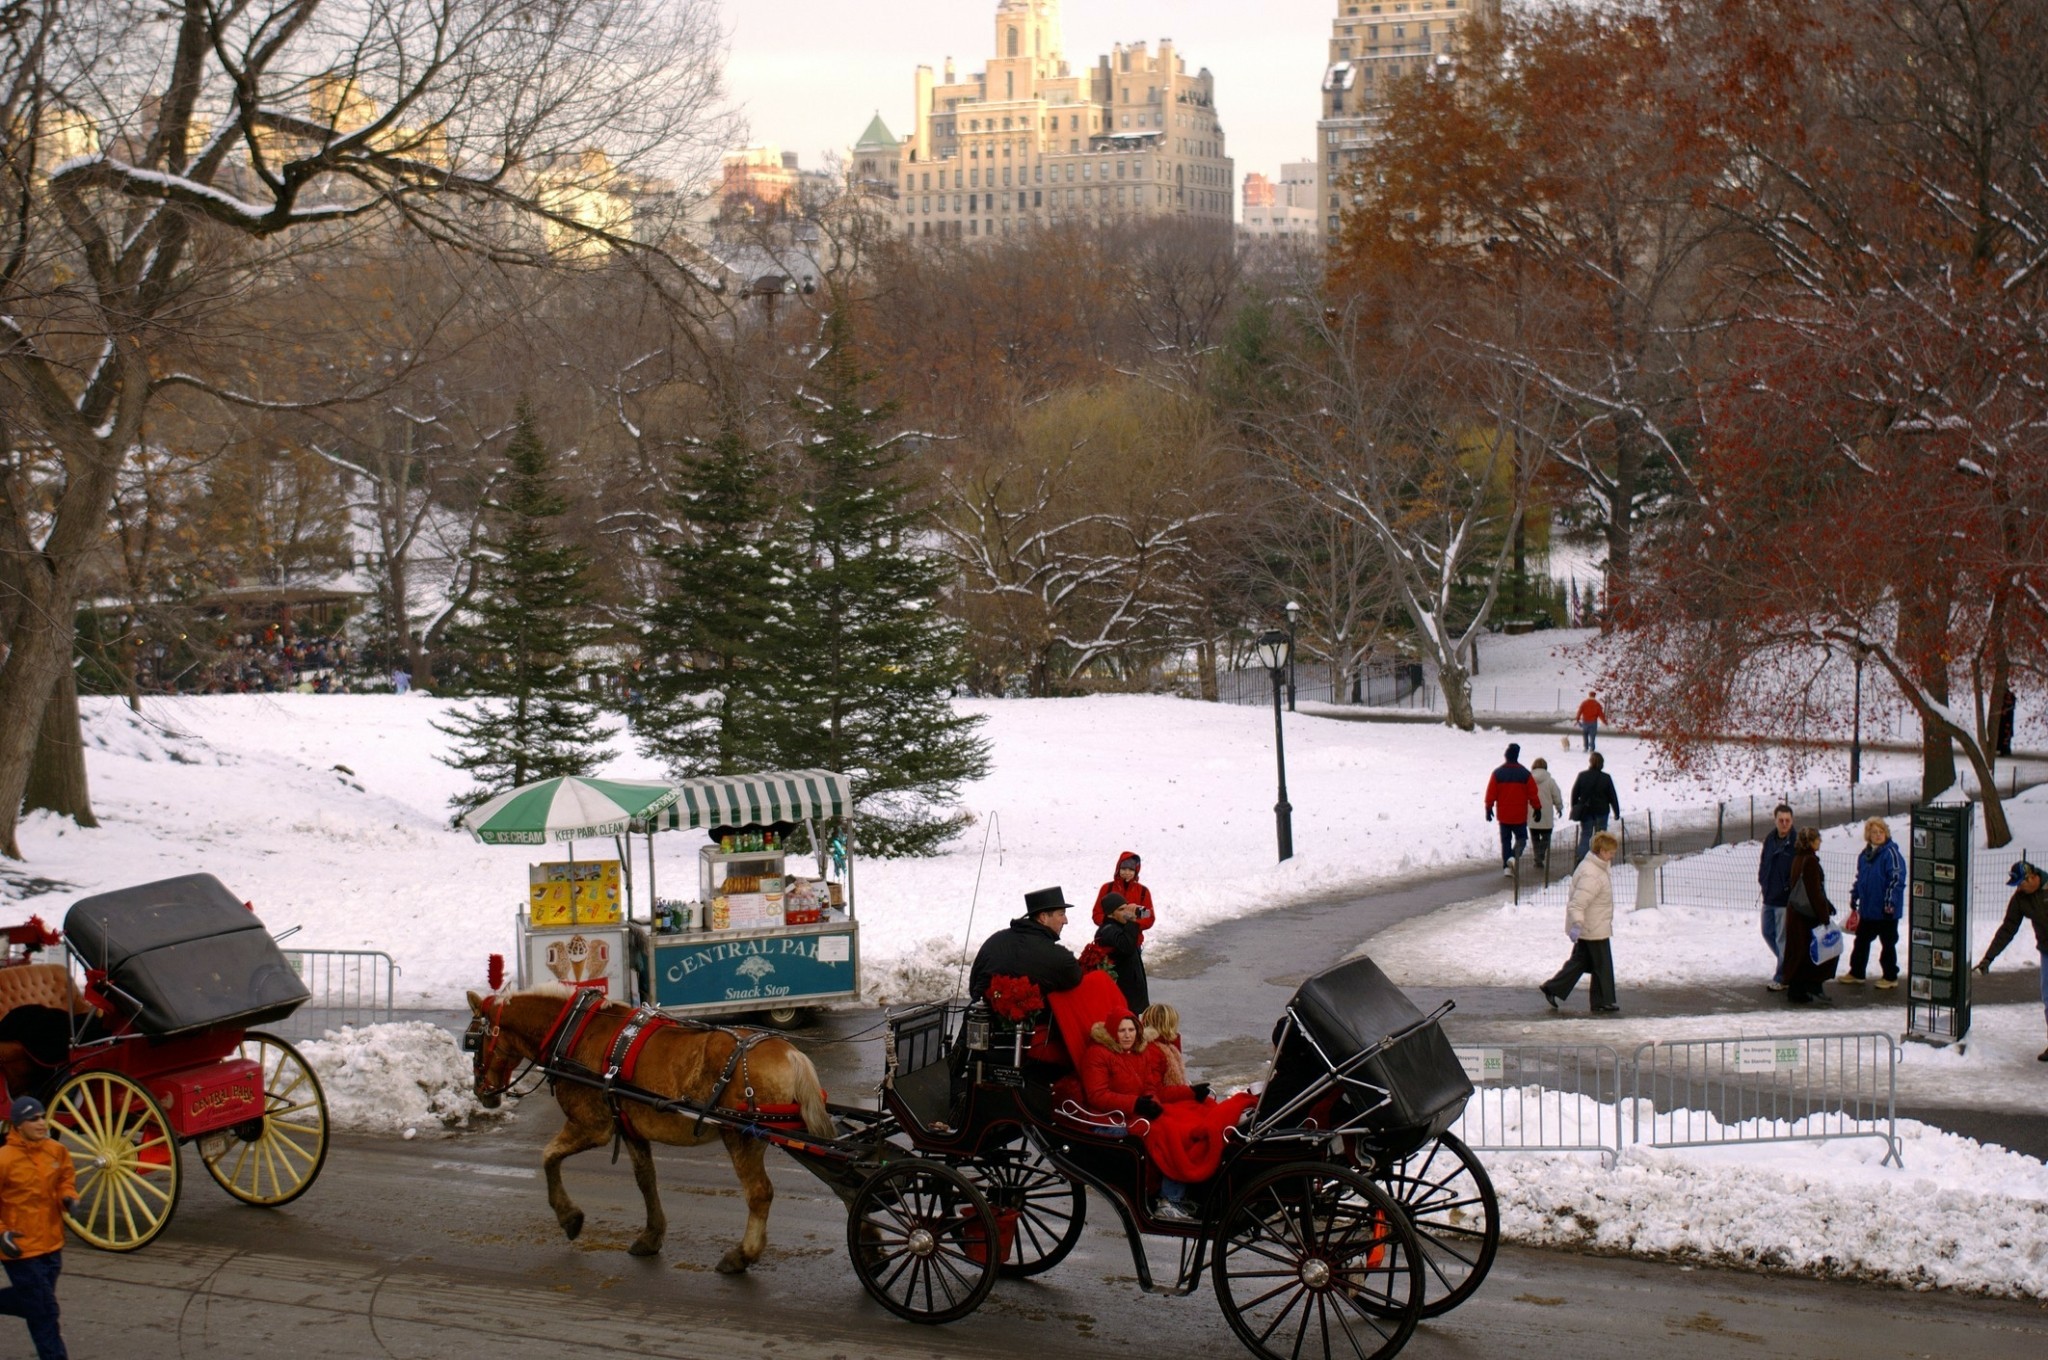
36 1188
1877 900
2030 904
1591 715
1589 925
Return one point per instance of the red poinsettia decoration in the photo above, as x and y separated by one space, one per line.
1093 957
1014 998
32 935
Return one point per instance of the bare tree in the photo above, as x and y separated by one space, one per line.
158 162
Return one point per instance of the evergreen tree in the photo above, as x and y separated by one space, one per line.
869 659
516 648
709 639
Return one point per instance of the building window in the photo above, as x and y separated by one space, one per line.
1006 174
1013 42
1037 198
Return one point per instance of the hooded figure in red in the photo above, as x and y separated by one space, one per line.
1127 1072
1124 883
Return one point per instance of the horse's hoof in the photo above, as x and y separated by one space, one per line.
645 1246
732 1263
573 1225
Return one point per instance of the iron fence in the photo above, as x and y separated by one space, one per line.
348 986
1543 1098
1379 686
1682 1093
1781 1089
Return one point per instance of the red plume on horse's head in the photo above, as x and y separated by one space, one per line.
494 971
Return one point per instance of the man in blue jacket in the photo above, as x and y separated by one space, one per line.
1774 876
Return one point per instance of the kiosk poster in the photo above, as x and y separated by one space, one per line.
1938 925
583 893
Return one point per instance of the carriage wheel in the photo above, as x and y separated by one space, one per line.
125 1158
1315 1262
923 1241
1051 1210
1451 1204
273 1159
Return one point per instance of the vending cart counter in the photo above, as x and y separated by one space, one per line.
724 970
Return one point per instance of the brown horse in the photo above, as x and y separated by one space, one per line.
677 1061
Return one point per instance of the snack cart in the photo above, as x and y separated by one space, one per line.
757 937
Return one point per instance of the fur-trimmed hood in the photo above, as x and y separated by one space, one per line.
1102 1034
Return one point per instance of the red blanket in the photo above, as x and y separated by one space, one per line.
1078 1009
1186 1140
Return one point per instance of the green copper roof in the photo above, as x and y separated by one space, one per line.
878 134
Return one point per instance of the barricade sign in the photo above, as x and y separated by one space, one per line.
1482 1064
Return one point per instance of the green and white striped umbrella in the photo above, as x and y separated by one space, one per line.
568 809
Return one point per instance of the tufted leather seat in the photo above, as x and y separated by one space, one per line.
39 984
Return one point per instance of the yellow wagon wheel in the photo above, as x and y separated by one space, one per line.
272 1160
124 1156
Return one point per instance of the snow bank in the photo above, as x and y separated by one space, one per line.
1959 1214
330 813
398 1078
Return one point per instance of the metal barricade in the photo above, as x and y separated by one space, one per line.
1792 1088
1543 1098
348 986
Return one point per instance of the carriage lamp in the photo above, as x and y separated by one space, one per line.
1293 621
974 1029
1276 652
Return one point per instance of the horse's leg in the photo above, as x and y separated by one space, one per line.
576 1136
749 1163
648 1243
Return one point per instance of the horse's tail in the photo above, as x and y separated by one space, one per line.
810 1095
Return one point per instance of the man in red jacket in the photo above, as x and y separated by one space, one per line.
1510 793
1591 715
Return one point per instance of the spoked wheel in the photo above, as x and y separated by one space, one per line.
1451 1205
1315 1262
1051 1210
124 1156
273 1159
923 1241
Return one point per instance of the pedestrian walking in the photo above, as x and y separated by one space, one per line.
2008 718
1509 793
401 680
1591 715
1589 925
1876 902
1807 910
36 1189
1121 939
2029 903
1774 876
1593 799
1543 814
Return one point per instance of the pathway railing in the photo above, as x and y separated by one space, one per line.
348 986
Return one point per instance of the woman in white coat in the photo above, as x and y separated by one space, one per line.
1544 812
1589 924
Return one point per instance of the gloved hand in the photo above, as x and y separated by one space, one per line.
1148 1108
1201 1090
1489 814
1572 933
70 1204
9 1248
1984 967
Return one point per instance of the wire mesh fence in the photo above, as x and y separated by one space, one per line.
1379 686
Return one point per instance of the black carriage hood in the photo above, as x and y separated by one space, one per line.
184 953
1348 1009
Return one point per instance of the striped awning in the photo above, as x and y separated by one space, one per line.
787 796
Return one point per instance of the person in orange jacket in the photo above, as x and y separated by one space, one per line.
36 1190
1125 884
1591 715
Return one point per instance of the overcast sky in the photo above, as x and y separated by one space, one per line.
809 74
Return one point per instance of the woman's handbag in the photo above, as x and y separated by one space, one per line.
1797 899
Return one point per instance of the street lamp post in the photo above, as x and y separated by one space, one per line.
1293 617
1276 652
1856 738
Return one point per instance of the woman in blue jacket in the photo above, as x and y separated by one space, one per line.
1878 899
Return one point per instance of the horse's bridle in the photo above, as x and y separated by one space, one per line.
481 1039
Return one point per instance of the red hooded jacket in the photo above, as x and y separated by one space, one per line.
1113 1079
1134 892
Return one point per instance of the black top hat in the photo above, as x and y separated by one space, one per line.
1044 900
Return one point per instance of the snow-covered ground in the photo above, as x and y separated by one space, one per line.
329 812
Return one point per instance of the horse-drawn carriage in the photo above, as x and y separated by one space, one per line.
1342 1212
144 1043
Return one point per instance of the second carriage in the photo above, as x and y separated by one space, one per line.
1343 1211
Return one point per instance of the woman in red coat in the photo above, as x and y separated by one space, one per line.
1124 883
1124 1070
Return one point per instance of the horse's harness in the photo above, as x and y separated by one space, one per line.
622 1056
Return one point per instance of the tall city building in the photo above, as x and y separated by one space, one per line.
1282 212
1030 141
1371 45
